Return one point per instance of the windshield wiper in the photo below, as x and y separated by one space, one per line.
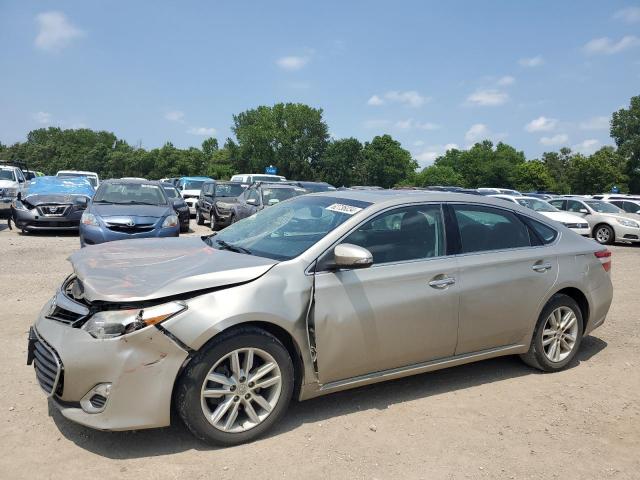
231 247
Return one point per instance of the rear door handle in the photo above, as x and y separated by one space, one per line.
541 267
442 282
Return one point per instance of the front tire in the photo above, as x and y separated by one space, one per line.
199 219
236 387
557 336
604 234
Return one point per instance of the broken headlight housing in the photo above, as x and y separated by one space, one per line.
114 323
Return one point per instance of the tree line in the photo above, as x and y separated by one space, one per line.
295 138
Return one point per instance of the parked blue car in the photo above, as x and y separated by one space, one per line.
127 209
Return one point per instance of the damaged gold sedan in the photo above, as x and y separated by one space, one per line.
313 295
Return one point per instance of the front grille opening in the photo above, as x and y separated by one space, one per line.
98 401
48 367
64 316
135 229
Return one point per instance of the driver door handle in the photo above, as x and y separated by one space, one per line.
442 282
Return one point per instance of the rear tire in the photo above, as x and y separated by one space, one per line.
184 228
237 407
604 234
199 219
557 336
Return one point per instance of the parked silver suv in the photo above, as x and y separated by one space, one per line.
313 295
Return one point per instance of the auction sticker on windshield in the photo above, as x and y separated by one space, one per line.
341 208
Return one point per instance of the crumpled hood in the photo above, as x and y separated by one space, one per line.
147 269
39 198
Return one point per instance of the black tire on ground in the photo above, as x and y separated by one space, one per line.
212 222
199 218
536 356
604 234
184 228
188 388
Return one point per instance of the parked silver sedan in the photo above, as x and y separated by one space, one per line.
313 295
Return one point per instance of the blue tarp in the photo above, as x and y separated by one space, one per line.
59 185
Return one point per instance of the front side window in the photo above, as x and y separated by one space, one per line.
171 192
271 196
631 207
575 206
485 228
559 204
253 195
287 229
407 233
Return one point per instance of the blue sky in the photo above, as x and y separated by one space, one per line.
538 75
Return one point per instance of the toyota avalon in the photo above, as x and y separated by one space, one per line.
316 294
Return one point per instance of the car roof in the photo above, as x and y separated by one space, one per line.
196 178
84 172
131 180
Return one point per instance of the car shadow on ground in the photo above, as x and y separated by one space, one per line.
176 438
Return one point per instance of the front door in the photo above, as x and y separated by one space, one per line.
398 312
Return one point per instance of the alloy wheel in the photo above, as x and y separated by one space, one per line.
241 390
560 334
603 235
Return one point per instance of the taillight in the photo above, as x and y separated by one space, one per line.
605 259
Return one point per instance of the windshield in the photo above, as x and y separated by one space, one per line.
286 230
228 190
7 174
92 178
192 184
171 192
603 207
276 195
537 205
130 193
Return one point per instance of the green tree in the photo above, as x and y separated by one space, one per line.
385 162
210 147
596 173
533 176
625 130
291 136
439 175
340 163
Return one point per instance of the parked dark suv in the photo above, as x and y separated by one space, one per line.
215 203
263 194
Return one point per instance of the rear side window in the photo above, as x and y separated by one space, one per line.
559 204
485 228
545 234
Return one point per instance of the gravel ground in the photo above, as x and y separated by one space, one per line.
493 419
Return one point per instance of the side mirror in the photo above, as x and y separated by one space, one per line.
81 202
347 255
252 201
584 210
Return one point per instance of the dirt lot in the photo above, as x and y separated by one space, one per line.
494 419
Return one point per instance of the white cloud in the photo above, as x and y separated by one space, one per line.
541 124
202 131
42 117
506 81
478 131
607 46
410 123
174 116
418 143
531 61
375 101
587 147
410 98
628 15
595 123
55 31
488 98
559 139
292 62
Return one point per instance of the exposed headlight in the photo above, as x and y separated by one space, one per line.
170 221
114 323
89 219
627 223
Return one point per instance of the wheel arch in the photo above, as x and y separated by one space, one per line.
582 301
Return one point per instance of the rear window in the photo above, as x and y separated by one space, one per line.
485 228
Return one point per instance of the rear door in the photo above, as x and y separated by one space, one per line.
398 312
505 272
